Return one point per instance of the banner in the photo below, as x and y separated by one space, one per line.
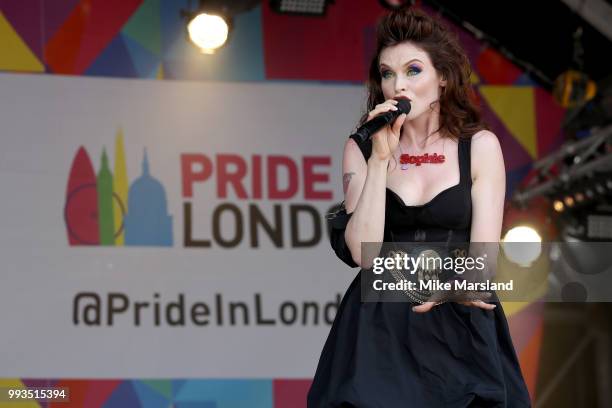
169 229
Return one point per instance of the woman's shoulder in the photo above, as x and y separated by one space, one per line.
484 142
485 151
484 136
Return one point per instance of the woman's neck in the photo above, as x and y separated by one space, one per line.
420 133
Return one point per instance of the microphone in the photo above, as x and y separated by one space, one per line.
373 125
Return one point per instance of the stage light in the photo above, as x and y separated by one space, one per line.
522 233
569 201
579 197
208 32
209 24
522 255
394 4
304 7
526 227
573 88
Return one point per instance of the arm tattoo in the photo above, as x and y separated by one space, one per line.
346 179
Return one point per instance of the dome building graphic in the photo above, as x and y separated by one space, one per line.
147 222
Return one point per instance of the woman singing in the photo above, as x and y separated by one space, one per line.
429 355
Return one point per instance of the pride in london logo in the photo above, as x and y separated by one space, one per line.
103 209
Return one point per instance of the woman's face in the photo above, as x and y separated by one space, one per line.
406 71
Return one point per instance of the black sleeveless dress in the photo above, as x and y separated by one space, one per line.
384 355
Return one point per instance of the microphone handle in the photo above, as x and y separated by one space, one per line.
366 130
372 126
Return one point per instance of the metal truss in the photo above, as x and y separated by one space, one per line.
583 157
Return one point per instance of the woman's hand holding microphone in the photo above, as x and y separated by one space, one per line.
386 140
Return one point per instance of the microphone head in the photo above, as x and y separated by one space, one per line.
403 106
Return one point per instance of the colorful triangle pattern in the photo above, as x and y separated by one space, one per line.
207 393
514 106
144 26
107 63
515 155
144 61
16 55
496 69
26 18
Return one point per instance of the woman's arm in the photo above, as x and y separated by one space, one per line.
364 197
488 187
365 183
488 196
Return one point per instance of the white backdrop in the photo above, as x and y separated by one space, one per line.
44 121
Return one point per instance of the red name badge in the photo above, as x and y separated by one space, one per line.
406 159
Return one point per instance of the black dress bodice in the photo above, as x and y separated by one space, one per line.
445 218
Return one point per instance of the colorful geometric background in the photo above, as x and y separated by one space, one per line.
179 393
146 39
